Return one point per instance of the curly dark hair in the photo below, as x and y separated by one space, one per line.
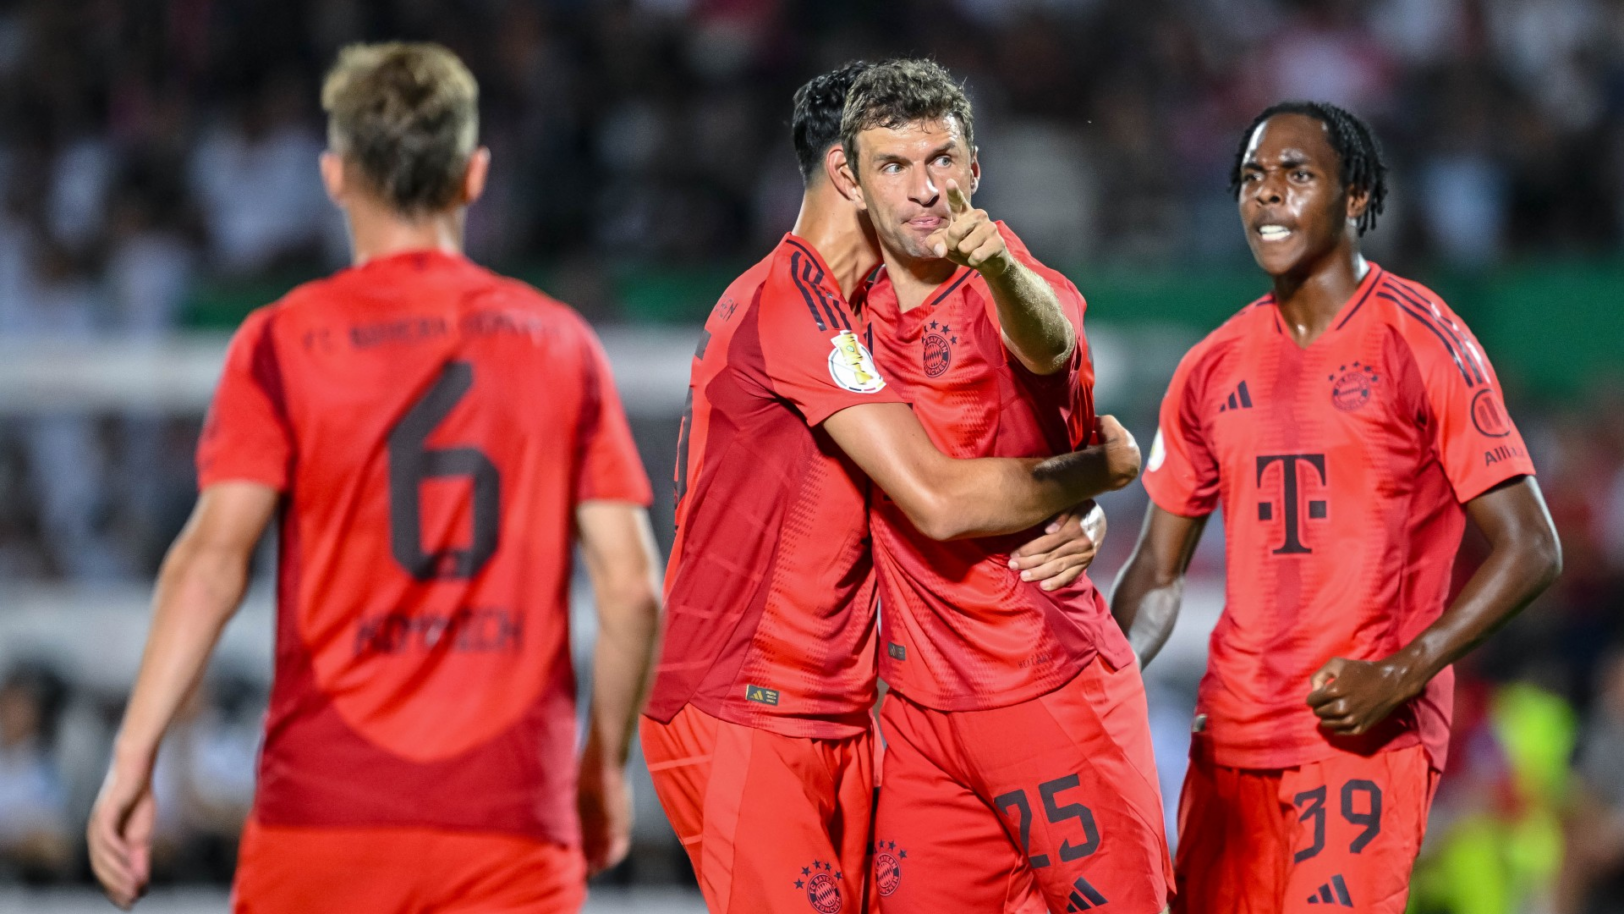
901 91
1357 148
819 104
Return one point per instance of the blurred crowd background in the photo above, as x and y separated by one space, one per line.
158 180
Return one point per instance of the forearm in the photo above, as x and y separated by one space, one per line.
622 661
197 592
1034 324
1512 576
994 496
1145 608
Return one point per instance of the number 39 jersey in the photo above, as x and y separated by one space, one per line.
432 427
1342 468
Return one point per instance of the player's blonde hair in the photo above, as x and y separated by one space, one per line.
407 116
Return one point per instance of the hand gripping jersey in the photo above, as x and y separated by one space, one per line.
433 427
1341 468
962 631
769 594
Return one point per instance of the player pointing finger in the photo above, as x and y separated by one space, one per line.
970 238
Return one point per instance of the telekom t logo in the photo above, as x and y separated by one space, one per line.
1293 500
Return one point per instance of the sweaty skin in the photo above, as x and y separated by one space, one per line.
1300 223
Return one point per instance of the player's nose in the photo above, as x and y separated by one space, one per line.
1267 190
924 190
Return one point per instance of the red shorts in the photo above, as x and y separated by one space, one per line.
284 870
1338 833
1050 804
771 823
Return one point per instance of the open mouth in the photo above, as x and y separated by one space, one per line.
1273 232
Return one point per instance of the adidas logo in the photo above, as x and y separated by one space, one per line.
1239 398
1084 896
1333 892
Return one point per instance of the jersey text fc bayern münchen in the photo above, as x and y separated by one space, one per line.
432 427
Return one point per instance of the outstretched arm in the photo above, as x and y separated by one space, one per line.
1525 556
199 587
617 547
955 499
1034 324
1151 586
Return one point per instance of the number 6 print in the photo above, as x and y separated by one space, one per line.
411 464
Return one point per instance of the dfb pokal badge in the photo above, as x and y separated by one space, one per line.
851 365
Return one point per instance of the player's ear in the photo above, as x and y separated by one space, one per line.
1358 202
838 169
473 180
975 170
332 176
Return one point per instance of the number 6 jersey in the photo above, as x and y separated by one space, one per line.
433 427
1342 468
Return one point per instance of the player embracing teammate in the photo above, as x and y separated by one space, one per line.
1018 771
1347 424
759 732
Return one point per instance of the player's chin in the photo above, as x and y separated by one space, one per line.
1273 259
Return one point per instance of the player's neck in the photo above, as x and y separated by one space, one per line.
832 226
914 279
1310 299
377 231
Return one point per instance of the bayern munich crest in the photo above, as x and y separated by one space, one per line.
937 346
821 883
1354 386
888 867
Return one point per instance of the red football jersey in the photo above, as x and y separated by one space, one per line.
962 631
1341 469
433 427
770 590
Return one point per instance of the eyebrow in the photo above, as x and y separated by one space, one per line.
1291 159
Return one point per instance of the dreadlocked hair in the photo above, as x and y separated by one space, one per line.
1356 147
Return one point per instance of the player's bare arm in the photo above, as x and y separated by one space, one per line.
1150 588
617 547
1351 696
956 499
199 586
1035 327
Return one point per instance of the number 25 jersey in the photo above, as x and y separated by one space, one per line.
432 427
1342 468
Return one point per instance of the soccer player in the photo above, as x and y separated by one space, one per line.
1018 767
431 437
1347 423
759 733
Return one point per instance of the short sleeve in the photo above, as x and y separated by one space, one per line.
810 354
246 434
1181 473
1072 385
1476 442
609 468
